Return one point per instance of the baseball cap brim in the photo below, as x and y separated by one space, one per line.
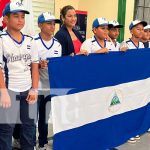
117 26
105 24
49 20
5 12
144 23
25 11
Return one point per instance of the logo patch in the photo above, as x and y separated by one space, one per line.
115 99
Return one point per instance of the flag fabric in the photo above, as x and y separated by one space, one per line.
101 100
2 6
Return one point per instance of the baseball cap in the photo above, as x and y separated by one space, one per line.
14 7
147 27
114 24
99 22
46 17
136 22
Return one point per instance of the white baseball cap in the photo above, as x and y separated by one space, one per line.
99 22
47 17
136 22
147 27
14 7
114 24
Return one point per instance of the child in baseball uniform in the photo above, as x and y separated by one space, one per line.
136 28
114 30
18 79
98 42
47 47
146 36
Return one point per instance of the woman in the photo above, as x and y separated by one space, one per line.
69 38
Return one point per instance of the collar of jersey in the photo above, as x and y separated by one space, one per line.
99 43
44 43
15 40
137 47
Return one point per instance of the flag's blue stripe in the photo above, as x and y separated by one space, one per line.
107 133
82 73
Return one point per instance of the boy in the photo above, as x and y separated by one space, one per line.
136 28
146 36
18 57
114 30
98 43
48 47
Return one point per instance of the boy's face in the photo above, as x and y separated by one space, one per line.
137 31
15 21
114 33
146 35
47 28
101 32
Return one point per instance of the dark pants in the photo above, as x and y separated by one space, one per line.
44 111
27 119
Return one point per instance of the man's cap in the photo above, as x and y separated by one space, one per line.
114 24
136 22
147 27
14 7
47 17
99 22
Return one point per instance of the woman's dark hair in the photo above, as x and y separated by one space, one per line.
65 9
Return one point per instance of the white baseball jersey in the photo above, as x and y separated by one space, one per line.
115 47
92 45
131 45
47 49
16 59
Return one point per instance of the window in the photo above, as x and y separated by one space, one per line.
40 6
142 10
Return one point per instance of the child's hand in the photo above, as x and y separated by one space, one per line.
32 96
43 64
72 54
5 100
83 52
102 50
123 49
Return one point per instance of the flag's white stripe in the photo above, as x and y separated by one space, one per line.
86 107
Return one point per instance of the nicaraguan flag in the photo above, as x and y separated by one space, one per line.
100 101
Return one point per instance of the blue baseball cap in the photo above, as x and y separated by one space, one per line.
99 22
136 22
47 17
14 7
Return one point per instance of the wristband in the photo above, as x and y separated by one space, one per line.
34 90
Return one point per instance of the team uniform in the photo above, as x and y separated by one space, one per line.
15 60
92 45
146 44
46 49
129 43
115 46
